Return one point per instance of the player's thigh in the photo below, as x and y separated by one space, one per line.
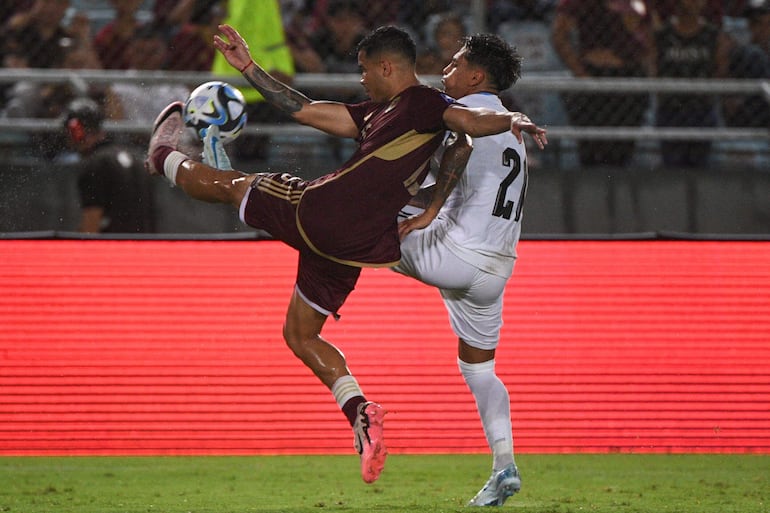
425 257
476 313
267 205
473 298
323 284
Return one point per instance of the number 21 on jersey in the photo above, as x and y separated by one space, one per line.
505 207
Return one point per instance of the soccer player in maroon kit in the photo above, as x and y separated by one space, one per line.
345 220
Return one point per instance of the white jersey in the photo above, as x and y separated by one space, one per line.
481 218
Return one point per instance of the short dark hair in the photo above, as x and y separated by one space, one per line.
389 39
501 61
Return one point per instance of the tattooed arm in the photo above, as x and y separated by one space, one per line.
330 117
450 170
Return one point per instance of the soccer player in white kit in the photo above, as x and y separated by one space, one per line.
468 251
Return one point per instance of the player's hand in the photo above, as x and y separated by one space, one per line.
416 222
521 123
233 47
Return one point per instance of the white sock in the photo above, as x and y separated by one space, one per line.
172 163
344 389
494 405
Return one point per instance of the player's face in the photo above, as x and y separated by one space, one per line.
371 78
457 75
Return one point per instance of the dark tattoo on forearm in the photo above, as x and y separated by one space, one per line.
276 92
451 169
423 197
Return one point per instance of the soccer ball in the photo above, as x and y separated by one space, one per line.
216 103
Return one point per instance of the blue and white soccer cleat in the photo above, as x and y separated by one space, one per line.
498 488
214 153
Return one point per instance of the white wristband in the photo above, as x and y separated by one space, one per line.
172 163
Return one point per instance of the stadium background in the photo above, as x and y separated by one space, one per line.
638 319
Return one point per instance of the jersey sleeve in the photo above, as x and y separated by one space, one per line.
427 106
358 112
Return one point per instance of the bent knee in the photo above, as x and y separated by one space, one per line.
296 341
290 338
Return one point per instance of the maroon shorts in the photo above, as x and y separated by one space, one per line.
271 205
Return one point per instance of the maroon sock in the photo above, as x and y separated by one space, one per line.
350 408
158 157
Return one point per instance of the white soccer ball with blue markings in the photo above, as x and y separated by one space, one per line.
216 103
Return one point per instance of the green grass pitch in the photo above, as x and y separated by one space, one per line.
612 483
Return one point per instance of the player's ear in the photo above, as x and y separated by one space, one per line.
477 77
386 67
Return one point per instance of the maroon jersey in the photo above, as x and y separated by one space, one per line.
360 201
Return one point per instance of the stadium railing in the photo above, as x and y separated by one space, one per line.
578 203
534 83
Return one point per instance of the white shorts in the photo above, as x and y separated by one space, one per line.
473 298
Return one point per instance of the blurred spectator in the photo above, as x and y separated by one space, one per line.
191 48
112 41
375 13
335 46
500 11
20 99
147 50
323 34
79 49
732 7
442 43
415 15
299 26
758 16
337 40
663 10
115 191
42 32
267 42
170 15
11 7
603 38
687 45
38 38
751 60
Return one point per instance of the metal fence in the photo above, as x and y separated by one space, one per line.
601 120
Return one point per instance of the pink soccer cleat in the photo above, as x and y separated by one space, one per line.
369 441
166 131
